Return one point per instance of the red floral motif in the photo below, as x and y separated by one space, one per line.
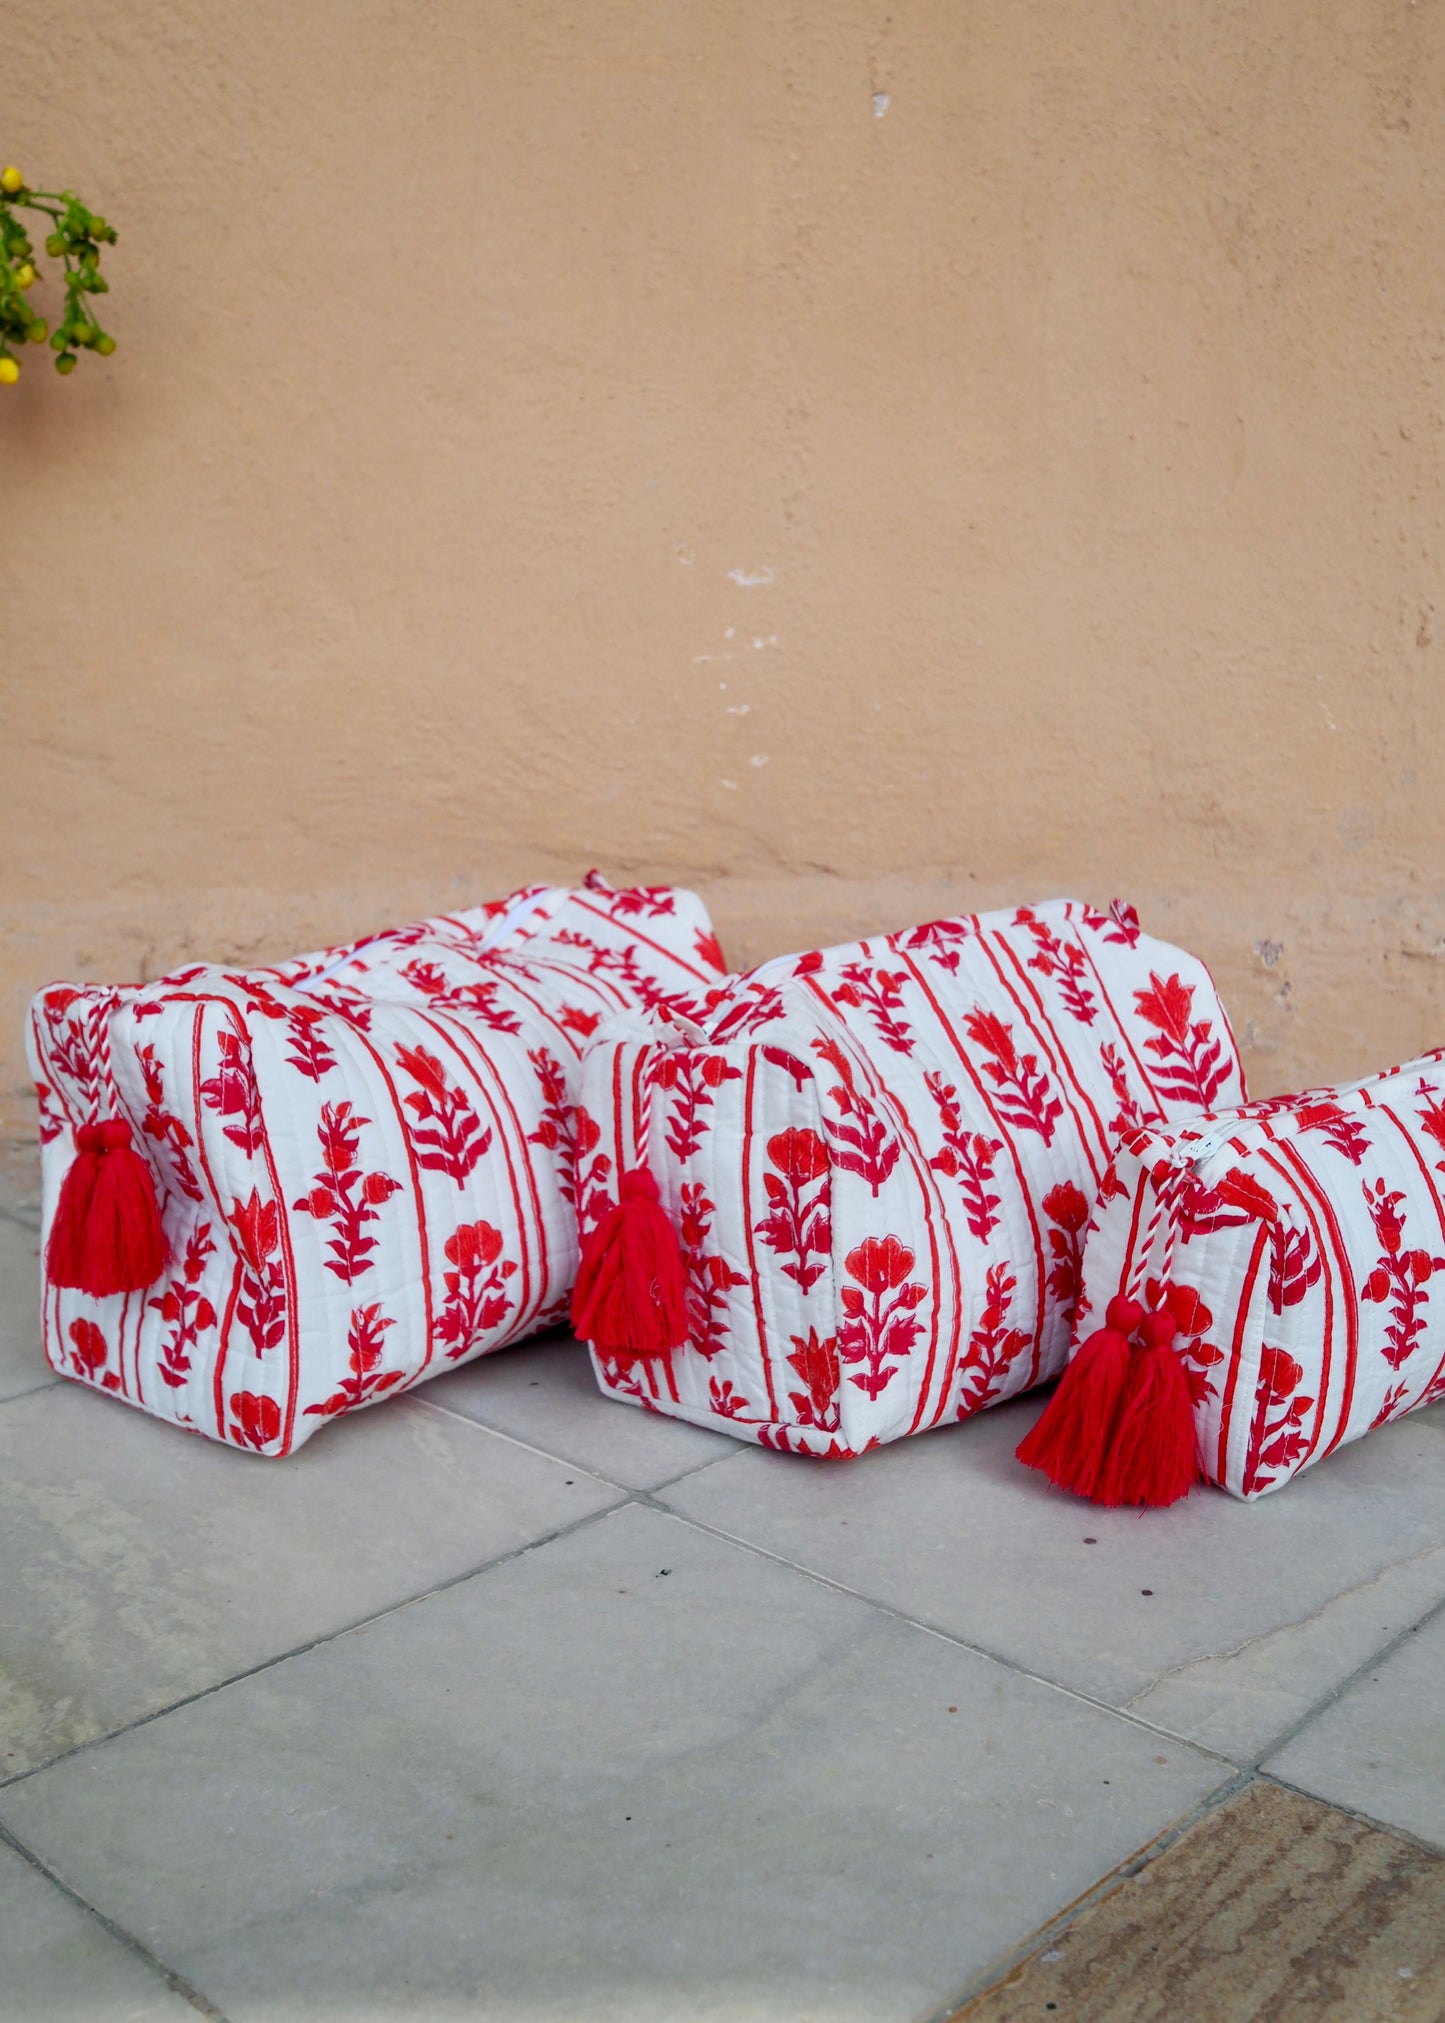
184 1310
1391 1403
653 901
557 1127
1432 1117
165 1129
1195 1064
346 1003
790 1065
233 1094
709 1276
1194 1321
448 1134
861 1143
880 1320
1130 1116
626 1378
88 1352
879 992
261 1296
1345 1133
621 963
1067 1207
1024 1097
1231 1203
309 1055
592 1169
1119 925
967 1157
69 1044
343 1194
778 1439
367 1379
993 1345
1294 1266
797 1227
477 1300
261 1000
815 1359
692 1080
1277 1439
1400 1277
256 1420
1064 963
478 998
573 1019
52 1118
709 950
941 940
760 1006
726 1401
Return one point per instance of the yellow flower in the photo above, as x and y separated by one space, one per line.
9 372
11 181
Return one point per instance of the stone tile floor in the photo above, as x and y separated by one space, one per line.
503 1700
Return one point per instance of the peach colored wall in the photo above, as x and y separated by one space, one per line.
864 458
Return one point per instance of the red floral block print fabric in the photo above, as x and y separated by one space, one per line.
364 1158
881 1159
1301 1247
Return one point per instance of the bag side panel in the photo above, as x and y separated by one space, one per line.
1367 1289
733 1137
156 1348
424 1220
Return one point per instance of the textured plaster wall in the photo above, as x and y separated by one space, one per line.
863 457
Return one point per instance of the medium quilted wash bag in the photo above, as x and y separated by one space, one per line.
877 1162
1295 1249
362 1160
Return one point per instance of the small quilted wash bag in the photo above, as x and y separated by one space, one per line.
276 1195
844 1200
1271 1284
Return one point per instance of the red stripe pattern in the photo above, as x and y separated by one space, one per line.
365 1157
881 1158
1308 1268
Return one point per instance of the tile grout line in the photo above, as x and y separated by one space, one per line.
946 1636
300 1650
1370 1819
176 1982
1252 1762
1045 1935
547 1454
46 1384
1338 1691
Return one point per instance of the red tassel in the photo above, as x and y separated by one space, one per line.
630 1299
1070 1440
1153 1458
65 1247
106 1236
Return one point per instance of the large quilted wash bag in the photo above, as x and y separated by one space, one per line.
878 1161
1293 1248
363 1173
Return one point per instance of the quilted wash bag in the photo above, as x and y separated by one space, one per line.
844 1202
272 1197
1275 1275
